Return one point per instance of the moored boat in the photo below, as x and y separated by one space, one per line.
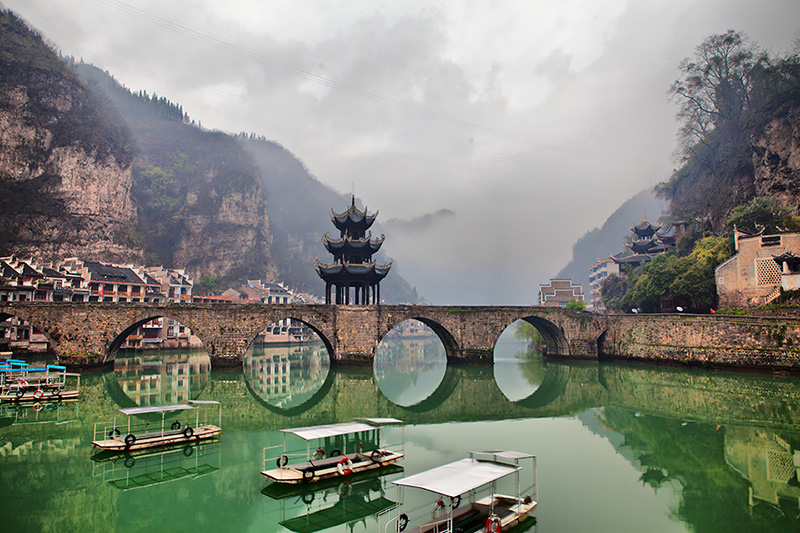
339 450
467 497
137 431
20 382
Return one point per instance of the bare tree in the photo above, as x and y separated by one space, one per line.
714 86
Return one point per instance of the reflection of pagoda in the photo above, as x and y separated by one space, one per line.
352 253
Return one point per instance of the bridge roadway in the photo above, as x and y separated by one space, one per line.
86 335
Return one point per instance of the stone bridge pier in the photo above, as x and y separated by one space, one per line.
90 334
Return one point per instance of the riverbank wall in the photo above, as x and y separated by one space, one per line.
761 341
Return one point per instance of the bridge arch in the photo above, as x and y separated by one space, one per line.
555 341
451 347
119 336
308 321
18 313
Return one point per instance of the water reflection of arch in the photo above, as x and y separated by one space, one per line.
313 401
446 387
115 391
552 387
140 320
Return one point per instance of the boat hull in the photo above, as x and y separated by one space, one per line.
294 475
508 509
47 396
118 443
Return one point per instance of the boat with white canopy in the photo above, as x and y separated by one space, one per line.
138 430
467 495
332 450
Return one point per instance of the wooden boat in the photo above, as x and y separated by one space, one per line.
137 434
19 382
466 497
339 450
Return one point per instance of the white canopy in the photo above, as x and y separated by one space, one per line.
154 409
503 454
330 430
457 478
381 421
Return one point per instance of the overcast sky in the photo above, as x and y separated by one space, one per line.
531 120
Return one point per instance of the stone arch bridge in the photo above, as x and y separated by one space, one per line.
89 334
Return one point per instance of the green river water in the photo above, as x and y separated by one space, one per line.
619 447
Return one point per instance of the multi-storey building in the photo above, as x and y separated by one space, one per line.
559 292
597 275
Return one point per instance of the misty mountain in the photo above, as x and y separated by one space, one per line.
91 168
422 223
300 207
602 242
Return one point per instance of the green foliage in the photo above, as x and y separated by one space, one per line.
575 305
206 284
689 278
728 91
527 331
613 290
761 213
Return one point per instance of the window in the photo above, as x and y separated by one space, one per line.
767 271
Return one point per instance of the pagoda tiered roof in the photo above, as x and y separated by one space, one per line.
345 270
364 246
353 219
645 228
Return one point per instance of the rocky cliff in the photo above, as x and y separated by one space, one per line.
65 165
776 158
88 169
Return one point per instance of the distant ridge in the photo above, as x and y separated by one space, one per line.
602 242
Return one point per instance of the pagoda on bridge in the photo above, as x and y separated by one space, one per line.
352 265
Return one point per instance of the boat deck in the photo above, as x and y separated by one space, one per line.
158 438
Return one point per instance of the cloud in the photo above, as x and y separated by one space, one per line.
531 120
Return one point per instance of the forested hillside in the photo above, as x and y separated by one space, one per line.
93 169
740 149
601 243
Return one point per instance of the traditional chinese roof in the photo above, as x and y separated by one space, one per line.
114 274
636 259
792 261
349 246
643 245
645 228
366 271
353 219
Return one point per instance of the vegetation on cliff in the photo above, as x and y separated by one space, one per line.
731 94
182 196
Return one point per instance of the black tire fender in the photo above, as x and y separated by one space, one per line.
402 522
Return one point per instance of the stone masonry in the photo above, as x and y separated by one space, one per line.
86 335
